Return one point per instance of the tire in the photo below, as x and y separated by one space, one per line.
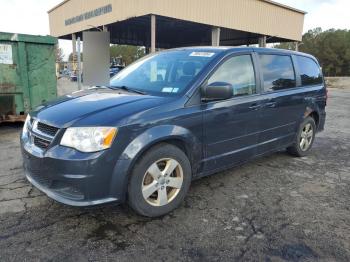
149 175
299 148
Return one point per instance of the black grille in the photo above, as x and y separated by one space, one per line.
41 143
46 129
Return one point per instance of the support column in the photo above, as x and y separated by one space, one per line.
105 28
74 52
153 33
215 36
74 44
262 41
79 64
297 46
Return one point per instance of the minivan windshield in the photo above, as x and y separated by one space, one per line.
165 74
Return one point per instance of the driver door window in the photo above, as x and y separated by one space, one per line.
231 127
239 72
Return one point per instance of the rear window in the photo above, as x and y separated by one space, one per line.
278 72
310 72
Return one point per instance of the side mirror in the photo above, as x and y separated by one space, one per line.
217 91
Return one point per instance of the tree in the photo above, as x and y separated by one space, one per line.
59 54
331 48
70 57
286 45
128 53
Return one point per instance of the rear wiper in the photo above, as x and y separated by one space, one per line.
129 89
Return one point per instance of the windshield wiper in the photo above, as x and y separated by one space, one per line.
125 88
128 89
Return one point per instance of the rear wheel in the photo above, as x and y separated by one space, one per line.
159 181
304 139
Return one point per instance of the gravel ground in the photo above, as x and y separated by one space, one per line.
277 208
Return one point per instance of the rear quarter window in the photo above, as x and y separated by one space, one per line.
310 72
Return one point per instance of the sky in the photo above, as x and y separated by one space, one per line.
326 14
30 16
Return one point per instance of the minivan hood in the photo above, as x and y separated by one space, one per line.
68 109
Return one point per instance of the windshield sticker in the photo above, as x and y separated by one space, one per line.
167 90
175 90
202 54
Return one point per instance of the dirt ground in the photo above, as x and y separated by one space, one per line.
277 208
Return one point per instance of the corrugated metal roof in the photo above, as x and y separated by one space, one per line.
281 5
263 17
269 1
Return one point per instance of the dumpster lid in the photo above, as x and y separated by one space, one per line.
14 37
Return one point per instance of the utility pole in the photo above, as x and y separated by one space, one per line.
79 65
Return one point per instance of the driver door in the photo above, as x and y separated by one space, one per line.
231 127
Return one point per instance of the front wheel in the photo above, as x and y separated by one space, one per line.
159 181
304 139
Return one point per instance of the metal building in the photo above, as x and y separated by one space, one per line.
170 23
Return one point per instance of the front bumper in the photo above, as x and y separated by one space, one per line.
71 177
64 199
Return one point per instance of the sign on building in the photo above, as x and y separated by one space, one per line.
6 54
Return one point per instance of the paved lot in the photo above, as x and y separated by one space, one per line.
276 208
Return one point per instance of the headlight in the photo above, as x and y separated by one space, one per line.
89 139
25 126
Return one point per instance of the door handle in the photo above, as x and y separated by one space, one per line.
270 104
255 106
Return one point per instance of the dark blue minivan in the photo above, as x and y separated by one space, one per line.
169 118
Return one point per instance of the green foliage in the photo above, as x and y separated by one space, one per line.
59 54
286 45
331 48
128 53
70 57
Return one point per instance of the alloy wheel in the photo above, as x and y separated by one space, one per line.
306 137
162 182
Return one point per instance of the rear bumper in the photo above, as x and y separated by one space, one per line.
72 178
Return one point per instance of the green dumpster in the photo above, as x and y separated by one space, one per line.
27 73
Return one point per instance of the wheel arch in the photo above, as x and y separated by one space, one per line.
176 141
174 135
316 117
310 112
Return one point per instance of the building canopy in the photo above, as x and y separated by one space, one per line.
179 23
